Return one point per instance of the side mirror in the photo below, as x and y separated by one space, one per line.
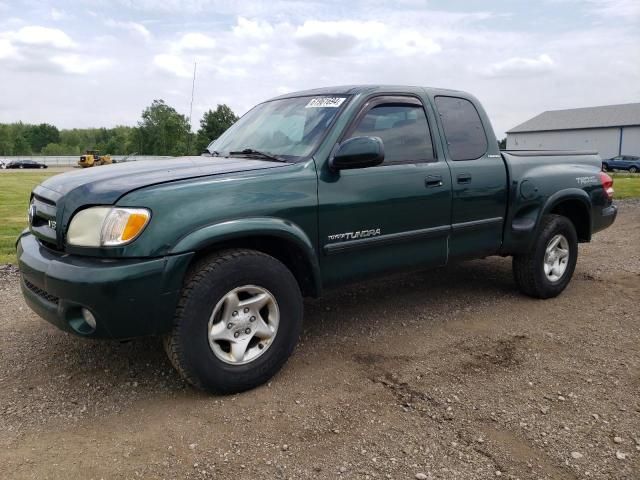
358 152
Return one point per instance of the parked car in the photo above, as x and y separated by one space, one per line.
630 163
305 192
25 164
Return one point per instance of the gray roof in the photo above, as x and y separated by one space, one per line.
622 115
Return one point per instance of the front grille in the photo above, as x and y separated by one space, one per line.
41 293
44 200
44 218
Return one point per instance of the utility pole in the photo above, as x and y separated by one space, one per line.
193 87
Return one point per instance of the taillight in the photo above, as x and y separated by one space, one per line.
607 185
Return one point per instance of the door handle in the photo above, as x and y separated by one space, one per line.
464 178
433 181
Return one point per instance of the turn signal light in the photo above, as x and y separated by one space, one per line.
134 226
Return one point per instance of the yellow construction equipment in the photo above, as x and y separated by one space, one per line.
92 158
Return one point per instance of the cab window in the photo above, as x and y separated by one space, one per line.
463 129
403 129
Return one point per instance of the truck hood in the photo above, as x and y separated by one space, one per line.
104 185
109 182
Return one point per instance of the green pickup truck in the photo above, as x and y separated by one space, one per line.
307 191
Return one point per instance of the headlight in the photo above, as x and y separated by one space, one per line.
107 226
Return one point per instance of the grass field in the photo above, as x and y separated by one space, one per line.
626 185
15 188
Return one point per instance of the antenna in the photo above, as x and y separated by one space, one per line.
193 87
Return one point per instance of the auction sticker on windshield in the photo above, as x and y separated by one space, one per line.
324 102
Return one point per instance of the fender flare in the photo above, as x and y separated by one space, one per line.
567 194
211 235
520 241
564 195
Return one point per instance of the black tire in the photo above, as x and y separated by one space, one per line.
633 169
207 282
528 269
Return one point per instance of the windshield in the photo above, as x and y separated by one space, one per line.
290 128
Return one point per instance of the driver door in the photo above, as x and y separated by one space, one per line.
392 216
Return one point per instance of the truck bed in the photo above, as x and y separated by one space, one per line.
536 179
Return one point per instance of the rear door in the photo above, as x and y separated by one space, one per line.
392 216
631 162
479 179
616 162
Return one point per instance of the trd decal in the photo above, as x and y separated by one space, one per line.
587 180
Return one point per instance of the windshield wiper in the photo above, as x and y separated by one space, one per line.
256 153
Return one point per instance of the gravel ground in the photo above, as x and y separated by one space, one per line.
446 374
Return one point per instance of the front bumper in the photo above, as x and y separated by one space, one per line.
128 297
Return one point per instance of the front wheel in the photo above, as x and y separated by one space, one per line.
546 270
237 322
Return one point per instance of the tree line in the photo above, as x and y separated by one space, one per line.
160 131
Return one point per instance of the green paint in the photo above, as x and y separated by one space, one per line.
332 226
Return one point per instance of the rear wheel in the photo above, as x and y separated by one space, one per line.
546 270
237 322
633 169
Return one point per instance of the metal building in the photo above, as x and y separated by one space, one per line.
610 130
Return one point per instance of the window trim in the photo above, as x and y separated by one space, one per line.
444 133
397 99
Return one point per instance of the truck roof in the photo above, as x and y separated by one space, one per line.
367 89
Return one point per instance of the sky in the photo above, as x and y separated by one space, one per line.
94 63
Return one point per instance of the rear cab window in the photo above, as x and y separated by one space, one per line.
463 128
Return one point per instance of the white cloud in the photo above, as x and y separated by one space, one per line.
282 89
616 8
181 53
411 43
517 66
252 28
172 64
194 41
336 38
133 27
42 36
7 50
80 64
250 55
39 49
58 15
524 60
